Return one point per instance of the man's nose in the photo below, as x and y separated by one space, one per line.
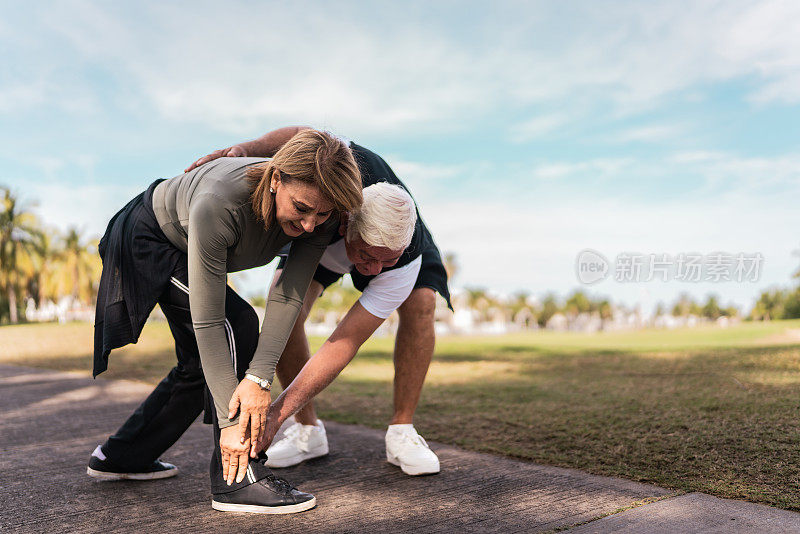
374 268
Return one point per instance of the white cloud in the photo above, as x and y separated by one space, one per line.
425 180
18 96
728 174
63 205
601 167
340 68
243 70
537 127
421 172
506 72
765 37
49 166
530 241
515 247
693 156
646 134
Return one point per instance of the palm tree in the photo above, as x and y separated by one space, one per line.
685 306
578 303
79 266
711 310
519 301
770 305
521 309
606 311
18 235
48 255
549 309
479 300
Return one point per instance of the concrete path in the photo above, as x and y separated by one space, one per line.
51 421
695 512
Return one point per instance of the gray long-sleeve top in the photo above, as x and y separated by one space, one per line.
207 213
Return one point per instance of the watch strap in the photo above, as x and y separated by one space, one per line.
260 381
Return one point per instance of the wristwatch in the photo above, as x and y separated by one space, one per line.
260 381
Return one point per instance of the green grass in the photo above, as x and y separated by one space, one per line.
706 409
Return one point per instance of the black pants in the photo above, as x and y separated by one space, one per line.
180 397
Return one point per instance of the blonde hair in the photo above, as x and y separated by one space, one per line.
386 218
312 157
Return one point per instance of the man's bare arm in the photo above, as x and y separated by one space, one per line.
263 147
356 327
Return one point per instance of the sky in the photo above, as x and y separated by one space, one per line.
528 132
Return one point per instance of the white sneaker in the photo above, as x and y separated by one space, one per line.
299 443
283 428
407 449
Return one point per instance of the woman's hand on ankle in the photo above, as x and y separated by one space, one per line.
251 401
234 454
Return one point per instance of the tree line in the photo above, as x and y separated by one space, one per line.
578 302
40 262
779 303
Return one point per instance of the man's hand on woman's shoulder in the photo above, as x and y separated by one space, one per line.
264 147
236 151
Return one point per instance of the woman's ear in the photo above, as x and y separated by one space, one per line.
275 180
343 218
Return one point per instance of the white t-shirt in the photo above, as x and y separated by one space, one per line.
384 293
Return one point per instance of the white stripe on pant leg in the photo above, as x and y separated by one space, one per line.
228 337
231 346
233 342
228 328
179 284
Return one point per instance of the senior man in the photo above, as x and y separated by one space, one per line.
393 260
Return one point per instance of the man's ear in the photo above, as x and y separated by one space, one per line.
343 218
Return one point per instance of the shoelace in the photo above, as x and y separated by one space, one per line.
280 484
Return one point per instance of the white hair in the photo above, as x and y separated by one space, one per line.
386 218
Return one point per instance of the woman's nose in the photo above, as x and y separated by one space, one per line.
308 223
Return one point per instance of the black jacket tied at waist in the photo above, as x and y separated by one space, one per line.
138 260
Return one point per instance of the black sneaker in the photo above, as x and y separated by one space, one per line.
102 468
268 495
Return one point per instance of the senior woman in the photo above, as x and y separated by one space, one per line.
174 245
